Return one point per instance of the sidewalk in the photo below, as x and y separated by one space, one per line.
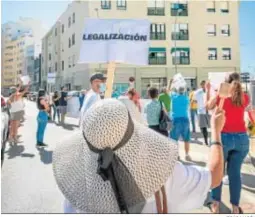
199 155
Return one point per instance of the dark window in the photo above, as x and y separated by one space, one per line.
226 53
180 31
212 53
179 9
56 67
69 42
69 22
105 4
180 56
63 28
73 17
49 56
225 30
49 69
158 32
56 31
157 58
73 39
211 6
211 10
121 4
63 65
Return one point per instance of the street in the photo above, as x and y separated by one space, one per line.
28 185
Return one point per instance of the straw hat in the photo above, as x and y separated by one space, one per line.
142 162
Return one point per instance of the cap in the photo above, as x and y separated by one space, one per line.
98 76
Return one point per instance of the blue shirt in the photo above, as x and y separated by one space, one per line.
81 99
180 105
153 110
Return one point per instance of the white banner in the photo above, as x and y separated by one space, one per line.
216 78
115 40
51 78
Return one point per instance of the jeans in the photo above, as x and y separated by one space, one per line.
56 112
235 149
193 114
42 120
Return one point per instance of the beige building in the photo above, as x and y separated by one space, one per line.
193 38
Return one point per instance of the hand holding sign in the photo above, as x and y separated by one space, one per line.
224 93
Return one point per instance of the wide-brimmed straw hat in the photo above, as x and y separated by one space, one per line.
141 161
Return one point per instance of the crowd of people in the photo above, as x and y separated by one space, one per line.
125 166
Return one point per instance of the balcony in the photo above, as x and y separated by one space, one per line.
226 57
157 60
179 9
181 60
157 36
180 35
156 11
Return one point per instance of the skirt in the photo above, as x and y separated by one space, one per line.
17 116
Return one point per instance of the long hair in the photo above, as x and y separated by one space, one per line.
40 94
237 94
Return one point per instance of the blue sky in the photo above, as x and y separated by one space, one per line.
48 11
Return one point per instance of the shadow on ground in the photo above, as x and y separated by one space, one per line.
16 150
45 156
69 126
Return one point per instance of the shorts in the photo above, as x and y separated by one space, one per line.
63 109
17 116
204 120
180 128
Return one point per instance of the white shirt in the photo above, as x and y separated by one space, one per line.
90 98
186 190
199 96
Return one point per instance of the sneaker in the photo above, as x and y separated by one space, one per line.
188 158
225 180
41 145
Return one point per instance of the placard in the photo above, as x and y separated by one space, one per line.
216 78
51 78
115 40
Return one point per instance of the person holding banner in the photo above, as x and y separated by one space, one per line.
97 82
234 139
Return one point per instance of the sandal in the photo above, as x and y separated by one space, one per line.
240 210
209 205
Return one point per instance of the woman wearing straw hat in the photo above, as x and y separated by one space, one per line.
116 165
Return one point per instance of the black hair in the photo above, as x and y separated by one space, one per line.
202 82
153 92
62 88
41 93
193 88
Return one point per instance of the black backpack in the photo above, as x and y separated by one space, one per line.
164 120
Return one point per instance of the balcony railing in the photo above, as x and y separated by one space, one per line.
212 57
158 36
106 5
156 11
180 35
157 60
226 57
181 11
181 60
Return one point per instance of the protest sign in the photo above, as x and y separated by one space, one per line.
216 78
73 105
178 81
51 78
115 41
224 92
25 80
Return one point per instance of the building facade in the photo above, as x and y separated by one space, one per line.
21 45
180 41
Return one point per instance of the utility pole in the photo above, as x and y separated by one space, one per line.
175 41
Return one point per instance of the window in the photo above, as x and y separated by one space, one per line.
56 67
63 65
226 53
56 31
73 17
63 28
73 60
69 42
178 9
121 4
157 56
211 30
105 4
69 22
49 69
225 30
211 6
73 39
156 7
180 56
62 46
224 7
158 32
49 56
69 62
212 53
180 31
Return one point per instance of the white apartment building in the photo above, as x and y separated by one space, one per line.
190 37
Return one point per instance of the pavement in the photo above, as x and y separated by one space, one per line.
28 185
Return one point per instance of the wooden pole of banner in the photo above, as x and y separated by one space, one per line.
110 79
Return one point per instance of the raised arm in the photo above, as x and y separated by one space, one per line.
210 101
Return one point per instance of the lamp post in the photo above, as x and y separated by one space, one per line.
175 41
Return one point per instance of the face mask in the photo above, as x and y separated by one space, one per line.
102 87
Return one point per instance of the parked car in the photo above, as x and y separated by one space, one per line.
5 116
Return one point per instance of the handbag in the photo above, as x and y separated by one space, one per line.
164 120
